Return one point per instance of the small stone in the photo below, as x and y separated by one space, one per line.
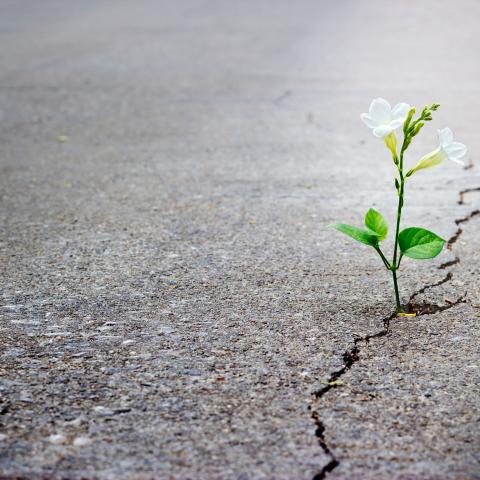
81 441
76 422
57 439
104 411
25 397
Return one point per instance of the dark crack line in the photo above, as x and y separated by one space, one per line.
331 465
352 356
446 279
319 432
431 309
461 200
459 231
450 263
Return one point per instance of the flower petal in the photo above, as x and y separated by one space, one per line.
397 123
457 160
445 136
455 150
368 120
400 110
380 111
382 131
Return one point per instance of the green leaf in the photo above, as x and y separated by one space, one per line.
419 243
376 224
356 233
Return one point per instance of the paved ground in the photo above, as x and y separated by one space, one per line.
172 302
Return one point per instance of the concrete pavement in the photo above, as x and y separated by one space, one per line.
172 301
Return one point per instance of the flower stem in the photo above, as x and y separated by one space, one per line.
395 265
397 295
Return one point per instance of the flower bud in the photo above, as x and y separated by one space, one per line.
411 113
417 128
391 143
429 160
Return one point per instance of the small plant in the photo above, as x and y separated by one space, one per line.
414 242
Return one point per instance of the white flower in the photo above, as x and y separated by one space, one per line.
447 149
452 150
384 119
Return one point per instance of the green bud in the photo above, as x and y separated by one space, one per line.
411 113
397 185
434 106
417 128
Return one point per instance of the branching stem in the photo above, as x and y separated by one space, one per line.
384 259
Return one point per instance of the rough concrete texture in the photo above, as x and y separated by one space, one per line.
172 301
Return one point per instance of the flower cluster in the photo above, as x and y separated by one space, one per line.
414 242
384 120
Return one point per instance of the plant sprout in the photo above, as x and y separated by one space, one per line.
414 242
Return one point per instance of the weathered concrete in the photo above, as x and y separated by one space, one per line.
172 298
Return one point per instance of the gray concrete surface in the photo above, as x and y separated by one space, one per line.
172 301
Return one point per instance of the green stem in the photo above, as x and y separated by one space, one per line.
395 265
400 260
397 295
399 214
382 256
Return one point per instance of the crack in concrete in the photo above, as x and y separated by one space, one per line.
352 356
461 200
459 231
449 263
333 463
430 308
446 279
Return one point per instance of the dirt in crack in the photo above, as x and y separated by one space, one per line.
352 356
431 308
